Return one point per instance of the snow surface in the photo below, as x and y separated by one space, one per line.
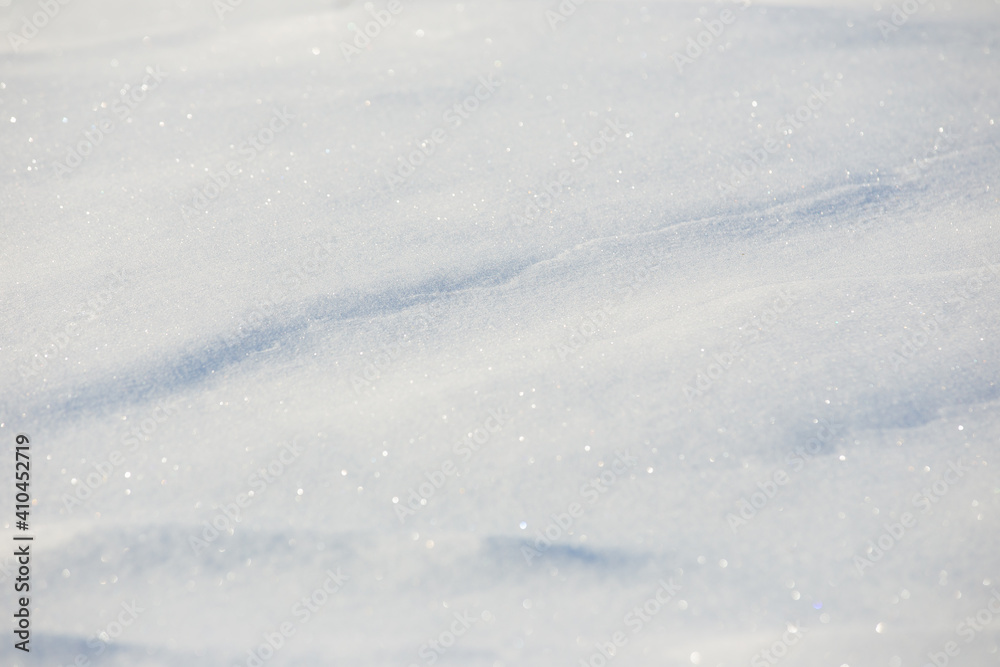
853 277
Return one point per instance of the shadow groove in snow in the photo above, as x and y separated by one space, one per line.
188 368
507 553
59 649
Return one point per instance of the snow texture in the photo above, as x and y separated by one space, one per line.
679 331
